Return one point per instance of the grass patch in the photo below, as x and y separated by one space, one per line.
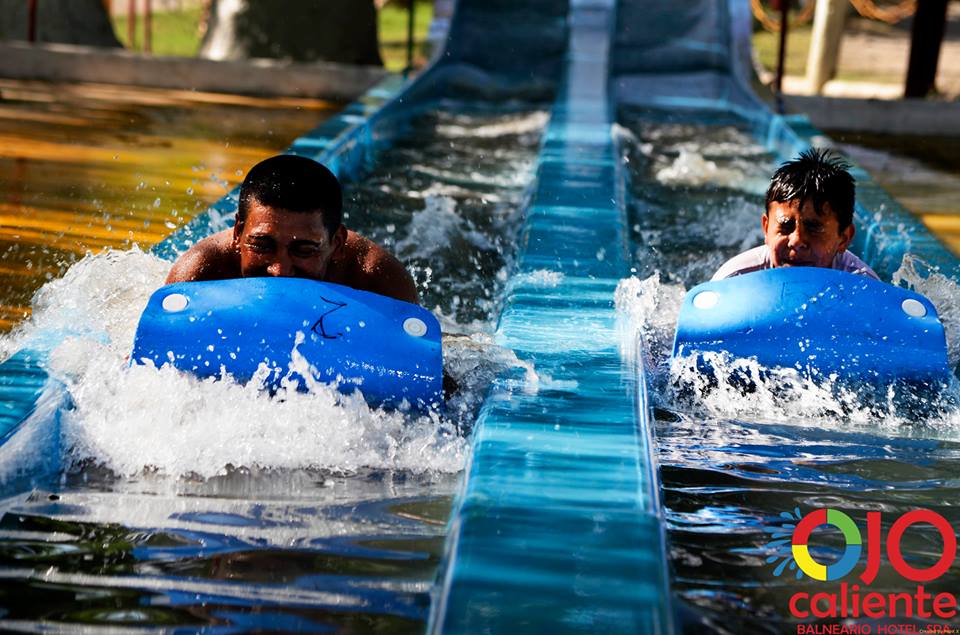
176 33
393 35
767 46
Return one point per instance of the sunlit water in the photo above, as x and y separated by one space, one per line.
84 167
319 510
734 459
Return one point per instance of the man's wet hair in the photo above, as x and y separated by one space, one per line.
817 175
293 183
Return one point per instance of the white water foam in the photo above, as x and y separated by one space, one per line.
691 168
541 278
648 309
137 418
101 297
474 361
132 419
438 226
733 160
528 123
914 273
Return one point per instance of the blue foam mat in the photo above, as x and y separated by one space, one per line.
822 322
388 349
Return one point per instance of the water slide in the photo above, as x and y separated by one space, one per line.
558 524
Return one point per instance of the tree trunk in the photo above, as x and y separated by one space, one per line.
926 39
64 21
825 42
303 30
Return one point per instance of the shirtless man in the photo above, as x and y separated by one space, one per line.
288 224
808 219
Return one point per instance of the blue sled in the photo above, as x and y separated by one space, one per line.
388 349
820 322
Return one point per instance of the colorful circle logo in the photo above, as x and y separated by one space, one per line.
801 540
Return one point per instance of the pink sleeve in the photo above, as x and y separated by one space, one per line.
848 261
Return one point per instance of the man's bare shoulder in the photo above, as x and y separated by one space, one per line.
380 271
213 258
371 256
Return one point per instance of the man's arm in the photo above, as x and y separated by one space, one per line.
210 259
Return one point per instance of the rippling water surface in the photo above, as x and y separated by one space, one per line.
734 462
85 167
208 504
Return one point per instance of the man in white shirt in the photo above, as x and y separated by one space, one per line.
808 220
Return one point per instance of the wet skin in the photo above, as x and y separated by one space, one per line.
799 237
282 244
274 242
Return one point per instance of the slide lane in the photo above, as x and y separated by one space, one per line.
558 527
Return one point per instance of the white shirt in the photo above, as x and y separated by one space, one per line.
759 258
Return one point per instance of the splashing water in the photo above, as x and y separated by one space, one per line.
133 418
212 491
700 201
101 296
188 426
649 308
438 226
917 275
185 425
690 168
714 385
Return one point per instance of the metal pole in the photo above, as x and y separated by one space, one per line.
411 14
782 54
926 38
147 26
31 21
132 23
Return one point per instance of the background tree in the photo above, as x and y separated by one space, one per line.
65 21
303 30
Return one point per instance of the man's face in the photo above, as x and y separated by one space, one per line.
798 237
280 243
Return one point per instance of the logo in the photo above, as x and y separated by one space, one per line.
801 541
795 547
